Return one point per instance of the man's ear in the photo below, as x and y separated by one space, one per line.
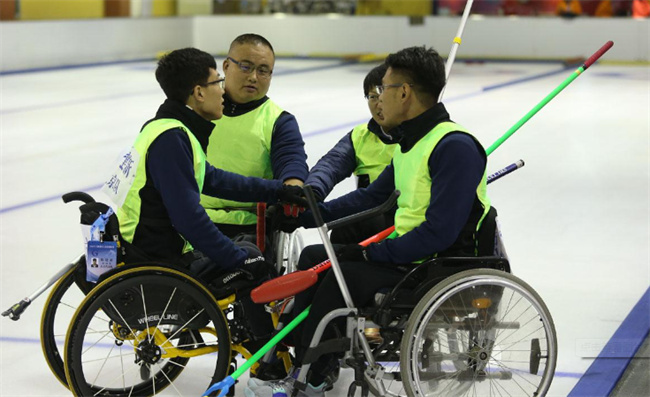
406 92
225 64
197 94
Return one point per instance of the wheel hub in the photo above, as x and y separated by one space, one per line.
478 357
148 352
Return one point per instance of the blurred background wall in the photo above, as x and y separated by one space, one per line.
52 33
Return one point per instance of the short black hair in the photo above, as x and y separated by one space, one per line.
373 78
424 68
251 38
181 70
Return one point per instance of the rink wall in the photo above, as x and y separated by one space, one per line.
43 44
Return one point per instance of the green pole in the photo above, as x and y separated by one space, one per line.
229 381
533 111
550 96
274 341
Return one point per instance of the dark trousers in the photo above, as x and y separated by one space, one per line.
363 279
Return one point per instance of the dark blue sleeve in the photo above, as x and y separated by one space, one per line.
338 164
230 186
356 201
288 157
456 169
170 164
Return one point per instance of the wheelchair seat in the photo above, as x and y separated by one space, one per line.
417 282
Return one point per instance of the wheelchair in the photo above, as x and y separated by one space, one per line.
123 308
451 326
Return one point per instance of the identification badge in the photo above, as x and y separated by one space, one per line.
101 256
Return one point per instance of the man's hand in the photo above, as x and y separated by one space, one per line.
284 217
255 265
253 268
289 194
256 268
352 253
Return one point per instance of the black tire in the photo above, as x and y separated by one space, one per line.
128 313
472 333
59 308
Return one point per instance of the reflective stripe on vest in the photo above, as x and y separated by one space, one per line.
129 213
371 153
413 180
241 144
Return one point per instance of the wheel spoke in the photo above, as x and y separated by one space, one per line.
473 355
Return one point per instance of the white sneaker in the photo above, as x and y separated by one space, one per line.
283 388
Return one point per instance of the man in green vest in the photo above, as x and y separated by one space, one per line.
157 184
439 169
364 152
255 137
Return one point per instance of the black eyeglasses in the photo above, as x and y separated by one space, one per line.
381 88
248 68
372 97
221 82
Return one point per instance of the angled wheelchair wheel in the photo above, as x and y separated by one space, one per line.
58 310
480 332
288 249
147 331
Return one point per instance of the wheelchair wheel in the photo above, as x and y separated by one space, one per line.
59 308
289 246
136 331
479 332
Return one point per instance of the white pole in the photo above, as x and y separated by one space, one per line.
456 44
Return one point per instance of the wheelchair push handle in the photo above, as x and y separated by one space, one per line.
345 221
367 214
77 196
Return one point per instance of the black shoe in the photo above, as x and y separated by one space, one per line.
331 378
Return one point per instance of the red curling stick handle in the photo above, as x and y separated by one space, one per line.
598 54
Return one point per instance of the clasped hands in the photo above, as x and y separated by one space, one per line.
284 215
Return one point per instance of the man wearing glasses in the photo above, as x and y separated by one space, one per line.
439 169
255 137
365 152
157 184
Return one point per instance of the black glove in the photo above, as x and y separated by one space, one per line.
254 268
281 218
292 195
255 265
352 253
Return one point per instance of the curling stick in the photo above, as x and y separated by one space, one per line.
550 96
456 44
505 171
229 381
292 283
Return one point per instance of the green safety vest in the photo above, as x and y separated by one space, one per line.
372 155
129 212
413 180
241 144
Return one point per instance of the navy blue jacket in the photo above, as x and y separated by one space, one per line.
456 166
340 162
288 157
171 197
